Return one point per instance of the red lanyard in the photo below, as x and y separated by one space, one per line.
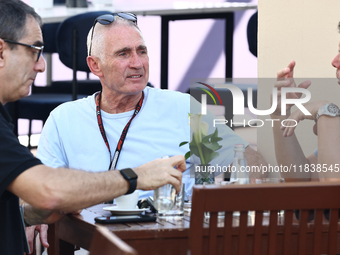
114 160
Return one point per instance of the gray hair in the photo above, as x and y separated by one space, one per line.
99 35
13 19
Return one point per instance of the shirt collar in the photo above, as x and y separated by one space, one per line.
5 113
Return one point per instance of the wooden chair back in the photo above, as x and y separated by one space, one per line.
263 234
105 242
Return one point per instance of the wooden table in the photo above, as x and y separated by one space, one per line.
160 237
146 238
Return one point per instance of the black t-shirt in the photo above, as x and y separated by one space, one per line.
14 159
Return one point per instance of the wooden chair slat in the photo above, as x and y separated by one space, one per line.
303 231
213 233
243 232
288 221
257 232
228 222
333 227
317 231
272 231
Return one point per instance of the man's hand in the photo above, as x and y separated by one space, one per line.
285 78
160 172
30 233
298 116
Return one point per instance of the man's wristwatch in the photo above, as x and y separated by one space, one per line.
328 109
131 177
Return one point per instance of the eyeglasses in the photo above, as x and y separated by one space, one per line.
39 48
109 18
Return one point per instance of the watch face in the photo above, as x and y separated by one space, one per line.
129 173
332 108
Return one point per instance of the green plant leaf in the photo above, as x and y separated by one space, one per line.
214 137
202 145
194 150
187 155
212 146
182 143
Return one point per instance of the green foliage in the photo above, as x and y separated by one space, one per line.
202 145
209 146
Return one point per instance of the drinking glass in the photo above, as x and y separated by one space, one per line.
177 211
164 198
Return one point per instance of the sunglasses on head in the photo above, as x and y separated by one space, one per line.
109 18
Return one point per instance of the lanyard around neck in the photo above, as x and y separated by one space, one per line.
114 160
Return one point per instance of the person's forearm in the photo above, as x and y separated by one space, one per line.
329 147
288 151
67 190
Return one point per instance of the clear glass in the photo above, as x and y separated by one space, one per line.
177 211
164 198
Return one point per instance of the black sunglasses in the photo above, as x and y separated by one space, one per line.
39 48
109 18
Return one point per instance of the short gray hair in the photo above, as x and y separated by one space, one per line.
98 36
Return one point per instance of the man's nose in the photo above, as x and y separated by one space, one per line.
336 61
135 61
40 65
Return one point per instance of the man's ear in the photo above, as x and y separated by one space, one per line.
94 64
2 49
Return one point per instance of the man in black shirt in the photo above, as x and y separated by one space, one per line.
49 193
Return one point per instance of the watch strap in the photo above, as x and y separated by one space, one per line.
328 109
133 185
132 181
